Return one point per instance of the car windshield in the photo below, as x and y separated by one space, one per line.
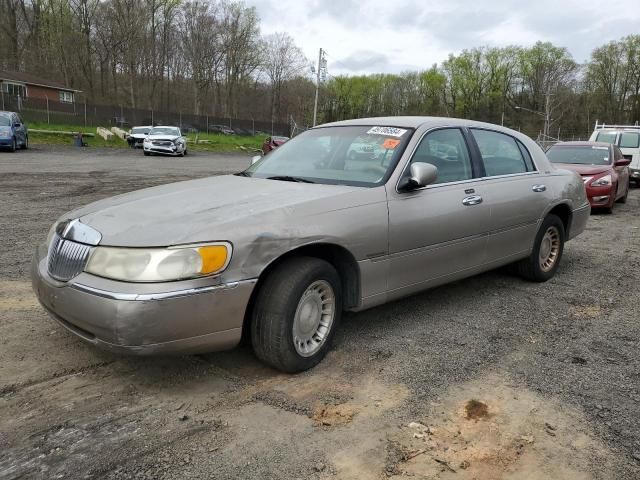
582 155
164 131
5 121
350 155
140 130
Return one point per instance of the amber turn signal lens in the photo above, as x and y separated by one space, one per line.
214 258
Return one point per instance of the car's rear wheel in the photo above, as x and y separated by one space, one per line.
295 315
545 257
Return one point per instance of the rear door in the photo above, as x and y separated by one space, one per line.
437 231
516 193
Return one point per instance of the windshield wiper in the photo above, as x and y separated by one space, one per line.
242 174
288 178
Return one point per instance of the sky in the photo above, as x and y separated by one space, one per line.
391 36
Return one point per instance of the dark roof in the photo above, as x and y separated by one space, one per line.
33 80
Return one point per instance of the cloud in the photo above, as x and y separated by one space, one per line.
383 36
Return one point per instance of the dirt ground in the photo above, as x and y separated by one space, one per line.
489 378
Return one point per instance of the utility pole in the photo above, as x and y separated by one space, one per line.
321 74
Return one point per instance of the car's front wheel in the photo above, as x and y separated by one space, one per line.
545 257
25 145
13 146
296 312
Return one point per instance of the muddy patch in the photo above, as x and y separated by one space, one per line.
585 311
488 430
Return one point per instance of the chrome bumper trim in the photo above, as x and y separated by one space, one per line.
143 297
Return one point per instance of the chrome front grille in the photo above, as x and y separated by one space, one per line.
67 258
162 143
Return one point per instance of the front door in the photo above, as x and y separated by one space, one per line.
439 231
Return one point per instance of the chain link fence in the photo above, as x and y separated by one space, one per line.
43 110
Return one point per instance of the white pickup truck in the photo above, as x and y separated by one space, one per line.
627 138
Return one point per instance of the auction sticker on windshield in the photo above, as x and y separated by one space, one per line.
387 131
390 143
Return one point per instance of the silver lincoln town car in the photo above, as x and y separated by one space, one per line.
345 216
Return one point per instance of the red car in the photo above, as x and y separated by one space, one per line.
602 167
271 143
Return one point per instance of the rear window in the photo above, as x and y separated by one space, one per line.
629 140
606 137
584 155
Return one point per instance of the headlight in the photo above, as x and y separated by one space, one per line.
146 140
602 181
159 264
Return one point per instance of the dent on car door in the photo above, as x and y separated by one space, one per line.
517 194
438 231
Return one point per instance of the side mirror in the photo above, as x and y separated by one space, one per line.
622 162
255 159
422 174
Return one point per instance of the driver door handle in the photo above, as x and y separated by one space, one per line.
472 200
539 188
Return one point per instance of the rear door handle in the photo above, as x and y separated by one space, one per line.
472 200
539 188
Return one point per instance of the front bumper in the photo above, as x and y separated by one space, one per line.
163 149
6 142
186 319
600 196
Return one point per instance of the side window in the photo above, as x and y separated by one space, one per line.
447 150
629 140
500 153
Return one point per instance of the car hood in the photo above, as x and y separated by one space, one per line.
163 137
208 209
138 135
585 170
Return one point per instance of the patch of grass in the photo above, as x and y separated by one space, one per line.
54 139
225 143
214 142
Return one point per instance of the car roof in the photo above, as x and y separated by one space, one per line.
418 121
581 144
165 126
6 113
142 126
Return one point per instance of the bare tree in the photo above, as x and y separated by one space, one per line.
282 62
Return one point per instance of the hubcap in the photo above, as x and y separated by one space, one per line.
313 318
549 249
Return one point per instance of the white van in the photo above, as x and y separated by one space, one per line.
627 138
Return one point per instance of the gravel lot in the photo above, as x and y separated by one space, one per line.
555 364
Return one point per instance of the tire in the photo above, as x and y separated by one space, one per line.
530 268
146 154
279 302
13 146
185 153
25 146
